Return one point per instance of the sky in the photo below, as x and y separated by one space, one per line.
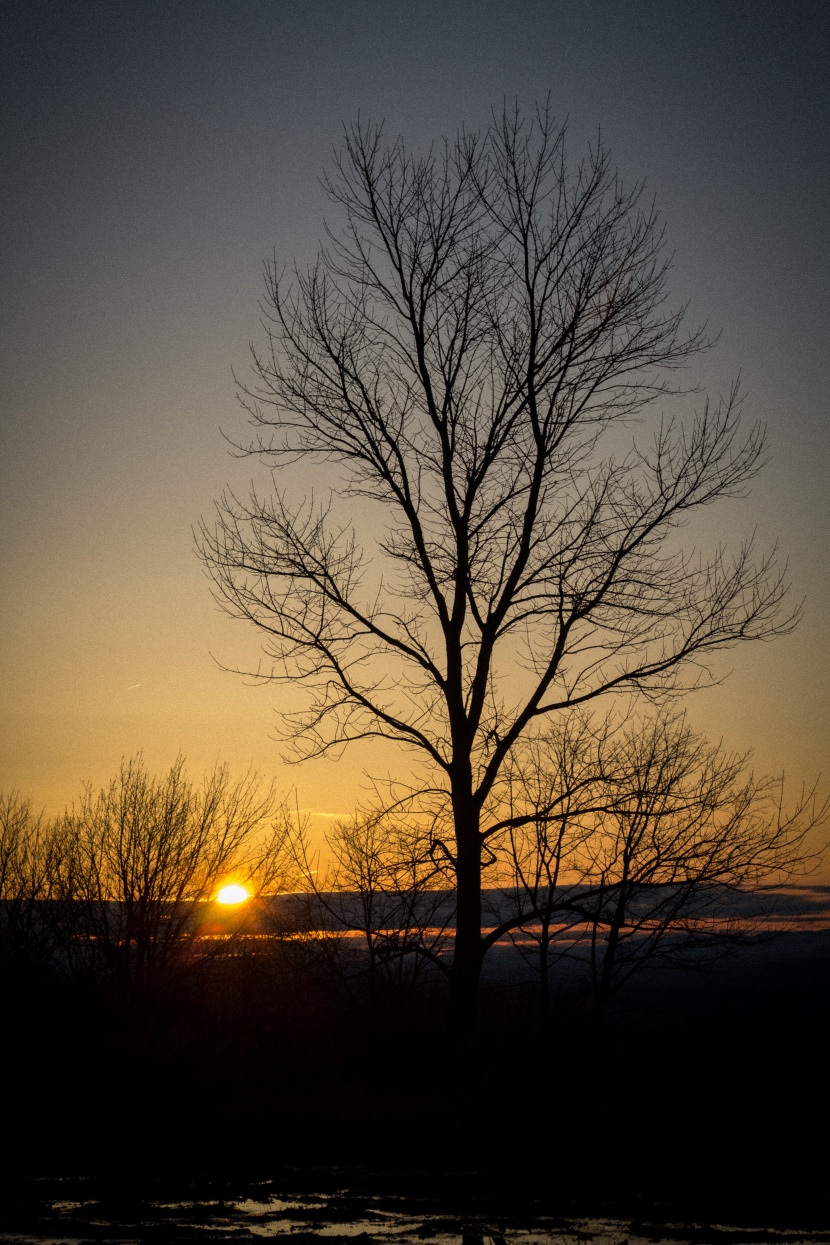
155 154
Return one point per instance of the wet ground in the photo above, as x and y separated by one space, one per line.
73 1212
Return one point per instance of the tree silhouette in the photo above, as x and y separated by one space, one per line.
135 864
469 349
27 860
637 844
378 880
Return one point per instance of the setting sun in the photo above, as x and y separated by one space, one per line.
232 894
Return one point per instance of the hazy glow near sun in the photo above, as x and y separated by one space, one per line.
232 894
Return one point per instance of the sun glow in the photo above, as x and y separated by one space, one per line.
232 894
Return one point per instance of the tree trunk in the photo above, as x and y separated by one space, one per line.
466 965
602 991
544 974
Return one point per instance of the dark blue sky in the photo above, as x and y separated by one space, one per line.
155 153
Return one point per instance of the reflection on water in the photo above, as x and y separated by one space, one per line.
38 1215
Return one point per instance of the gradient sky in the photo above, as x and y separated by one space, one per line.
155 153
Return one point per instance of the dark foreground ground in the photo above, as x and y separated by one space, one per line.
355 1205
273 1102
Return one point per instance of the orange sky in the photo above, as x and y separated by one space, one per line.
156 163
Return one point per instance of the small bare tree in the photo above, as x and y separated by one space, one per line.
386 885
644 842
25 875
551 794
469 349
140 859
374 880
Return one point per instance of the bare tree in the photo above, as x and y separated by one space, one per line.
644 841
468 349
687 836
25 875
372 902
139 860
384 884
551 794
